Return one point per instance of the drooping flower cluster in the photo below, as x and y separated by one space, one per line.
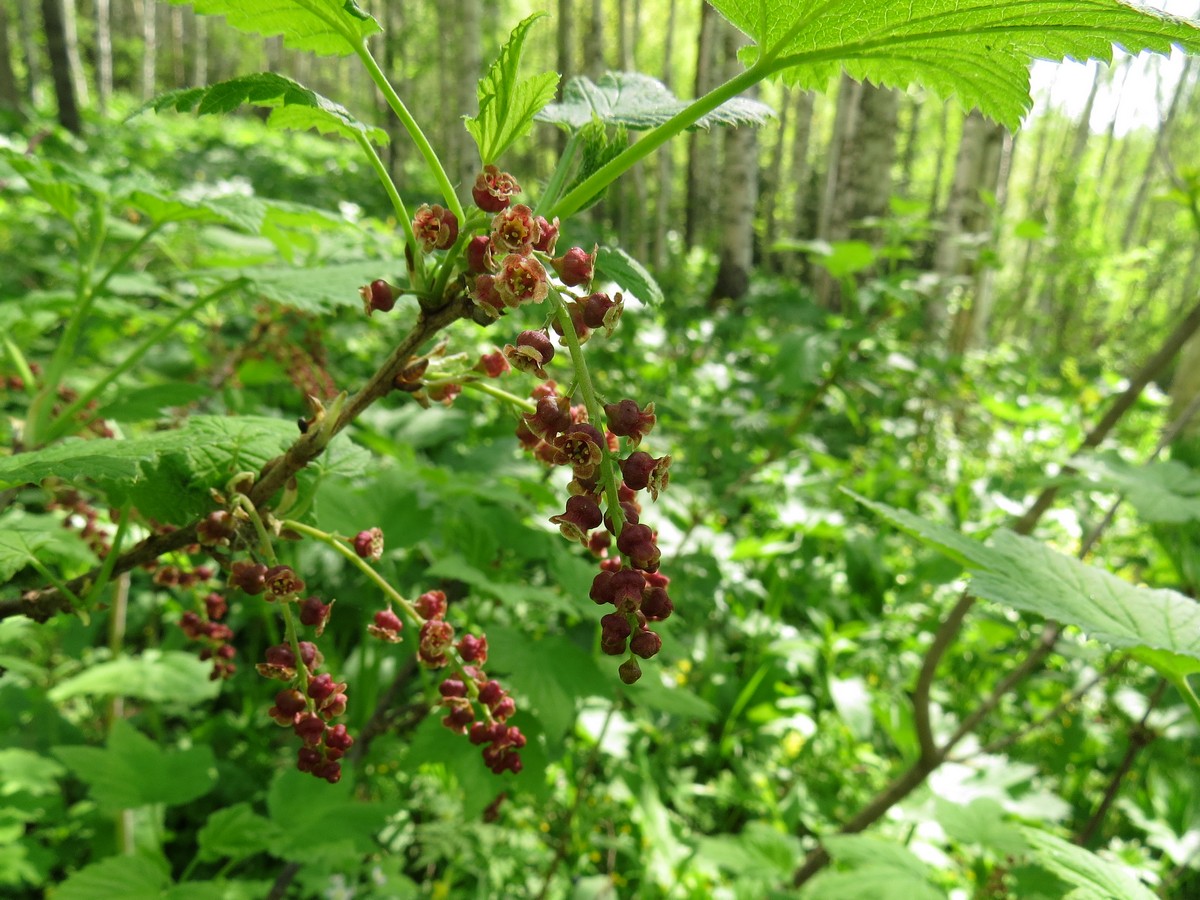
470 688
213 634
312 700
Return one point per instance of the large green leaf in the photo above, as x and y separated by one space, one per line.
324 27
315 289
508 103
294 106
155 676
25 538
979 50
1027 575
878 870
116 878
639 102
1095 876
1166 492
617 265
133 771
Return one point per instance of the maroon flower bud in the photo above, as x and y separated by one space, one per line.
490 692
369 544
626 590
630 671
315 613
598 543
549 235
480 255
329 771
641 470
249 576
602 588
656 603
308 758
575 267
580 446
377 296
631 513
581 330
645 644
191 624
334 706
493 365
435 228
459 719
473 649
532 351
494 189
386 626
480 733
515 230
626 420
521 280
553 414
282 581
322 687
280 656
290 703
452 687
504 709
581 516
485 293
431 605
435 639
337 738
309 728
602 311
215 606
216 529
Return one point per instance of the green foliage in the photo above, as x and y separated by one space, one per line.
640 102
294 106
324 27
981 53
507 102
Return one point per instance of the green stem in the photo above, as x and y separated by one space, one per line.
116 267
584 382
59 585
555 185
1185 689
62 423
656 137
328 539
389 187
106 568
20 363
413 129
522 403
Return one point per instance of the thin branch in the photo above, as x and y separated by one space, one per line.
41 605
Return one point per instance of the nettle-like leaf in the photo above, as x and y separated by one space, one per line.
640 103
980 51
1027 575
294 107
324 27
246 213
316 290
1091 875
1162 492
615 264
507 103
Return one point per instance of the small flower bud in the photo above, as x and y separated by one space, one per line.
435 228
369 544
575 267
493 190
377 296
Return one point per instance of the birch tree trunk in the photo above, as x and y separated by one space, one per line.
702 146
60 65
739 195
200 50
803 218
665 161
469 69
33 70
104 55
74 64
10 95
149 50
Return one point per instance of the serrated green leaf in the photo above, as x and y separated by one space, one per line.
313 817
26 771
139 404
234 833
25 538
315 289
640 103
507 103
1163 492
596 149
116 878
132 771
155 676
615 264
979 51
295 107
1027 575
324 27
246 213
1084 869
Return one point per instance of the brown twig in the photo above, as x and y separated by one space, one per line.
43 604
